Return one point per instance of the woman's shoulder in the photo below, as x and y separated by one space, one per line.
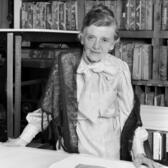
70 56
117 62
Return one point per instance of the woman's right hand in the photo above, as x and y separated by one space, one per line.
15 142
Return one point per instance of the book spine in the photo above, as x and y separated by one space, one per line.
130 48
74 15
131 15
55 15
27 18
49 20
146 62
68 14
157 145
137 62
143 15
149 15
163 63
62 19
124 15
164 14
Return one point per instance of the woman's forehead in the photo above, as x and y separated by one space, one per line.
100 30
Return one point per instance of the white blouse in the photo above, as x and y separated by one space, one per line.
105 100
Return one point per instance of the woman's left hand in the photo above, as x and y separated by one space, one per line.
141 159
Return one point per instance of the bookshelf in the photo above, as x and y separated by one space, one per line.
156 37
155 119
14 61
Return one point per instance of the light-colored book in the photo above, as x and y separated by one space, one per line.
146 56
137 62
165 14
157 146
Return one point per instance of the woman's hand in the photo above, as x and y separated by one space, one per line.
15 142
141 159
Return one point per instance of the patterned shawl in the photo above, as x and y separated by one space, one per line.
63 107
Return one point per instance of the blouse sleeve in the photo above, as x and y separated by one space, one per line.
125 94
41 117
34 125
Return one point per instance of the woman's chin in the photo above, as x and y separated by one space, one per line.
93 60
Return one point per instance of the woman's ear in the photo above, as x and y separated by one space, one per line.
114 43
80 37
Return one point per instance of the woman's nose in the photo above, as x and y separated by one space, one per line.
96 44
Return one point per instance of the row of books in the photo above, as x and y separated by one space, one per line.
139 57
159 145
46 53
137 15
130 14
59 15
151 98
63 15
39 53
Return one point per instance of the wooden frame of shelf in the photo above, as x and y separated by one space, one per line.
136 34
151 83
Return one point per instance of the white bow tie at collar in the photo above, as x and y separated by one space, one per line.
97 68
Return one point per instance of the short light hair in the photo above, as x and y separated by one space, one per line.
100 15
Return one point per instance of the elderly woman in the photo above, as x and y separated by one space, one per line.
89 98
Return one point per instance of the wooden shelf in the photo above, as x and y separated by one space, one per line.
44 35
136 34
66 35
151 83
38 30
164 34
37 63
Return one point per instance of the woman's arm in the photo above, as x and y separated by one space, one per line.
33 127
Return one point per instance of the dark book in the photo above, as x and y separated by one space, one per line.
149 15
74 15
130 15
62 16
68 14
55 15
163 63
49 21
27 15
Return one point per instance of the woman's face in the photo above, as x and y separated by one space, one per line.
97 41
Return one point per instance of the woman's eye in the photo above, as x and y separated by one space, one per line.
105 40
90 37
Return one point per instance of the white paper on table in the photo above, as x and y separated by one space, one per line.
76 159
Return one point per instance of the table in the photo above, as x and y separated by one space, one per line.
27 157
